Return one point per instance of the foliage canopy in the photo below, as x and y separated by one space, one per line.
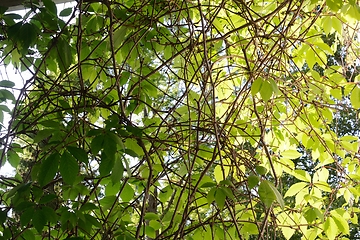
181 120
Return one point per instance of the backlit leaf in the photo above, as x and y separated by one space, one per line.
301 175
330 228
355 98
291 154
341 223
221 174
295 188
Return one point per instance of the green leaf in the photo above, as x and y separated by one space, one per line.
310 58
78 153
311 214
109 146
50 6
119 36
220 197
291 154
330 228
39 220
88 206
13 158
261 170
253 181
7 95
266 193
49 214
156 225
112 189
355 98
27 36
42 134
150 232
97 144
65 12
341 223
13 16
69 168
256 86
228 192
92 220
334 5
206 182
48 169
302 175
266 91
106 164
295 188
47 198
219 174
117 171
127 193
279 197
7 84
107 202
3 216
211 195
165 193
75 238
64 54
28 235
136 131
151 216
5 108
132 145
274 86
50 124
287 232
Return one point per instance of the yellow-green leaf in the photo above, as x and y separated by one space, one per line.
221 172
330 228
291 154
294 189
355 98
266 91
256 86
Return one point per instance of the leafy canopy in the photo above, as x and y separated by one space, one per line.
180 120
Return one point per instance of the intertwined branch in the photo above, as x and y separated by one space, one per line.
172 83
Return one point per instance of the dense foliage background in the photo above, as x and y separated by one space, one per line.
181 120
